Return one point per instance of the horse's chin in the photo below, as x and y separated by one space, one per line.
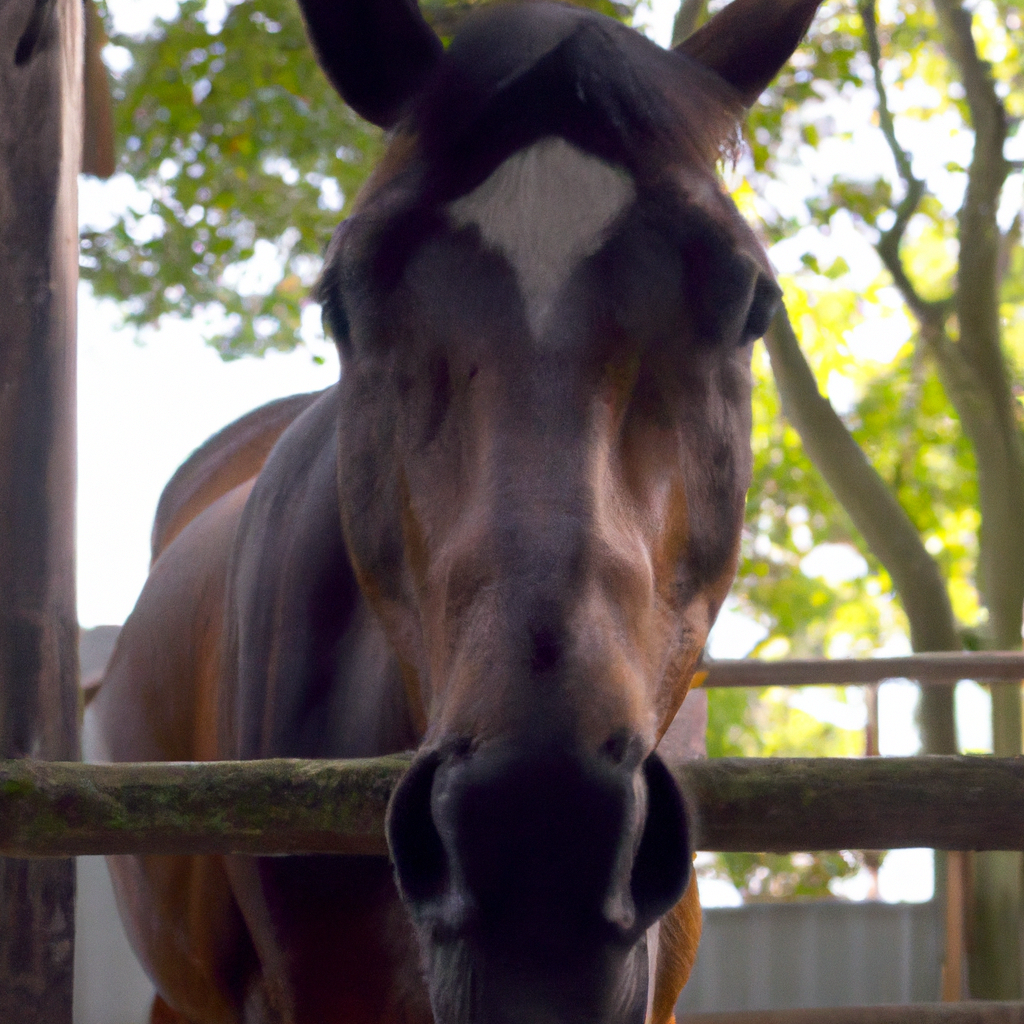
470 985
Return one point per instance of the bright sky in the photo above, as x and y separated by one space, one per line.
143 407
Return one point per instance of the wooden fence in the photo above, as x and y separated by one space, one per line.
779 805
63 809
943 669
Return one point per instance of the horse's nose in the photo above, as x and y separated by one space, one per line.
538 849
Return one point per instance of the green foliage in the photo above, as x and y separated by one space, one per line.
237 143
842 304
765 723
774 877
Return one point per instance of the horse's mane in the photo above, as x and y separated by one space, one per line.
517 73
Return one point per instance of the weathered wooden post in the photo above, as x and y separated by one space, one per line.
40 152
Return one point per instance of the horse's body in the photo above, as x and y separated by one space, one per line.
501 539
229 458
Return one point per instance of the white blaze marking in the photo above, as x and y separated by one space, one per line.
546 209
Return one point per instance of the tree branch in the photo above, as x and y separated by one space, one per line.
932 314
977 291
881 520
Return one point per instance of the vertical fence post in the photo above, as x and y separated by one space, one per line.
40 153
954 967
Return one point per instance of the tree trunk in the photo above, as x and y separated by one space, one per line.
885 527
40 152
978 382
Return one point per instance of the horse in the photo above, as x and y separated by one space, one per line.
500 540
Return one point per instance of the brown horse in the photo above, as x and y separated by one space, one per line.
501 539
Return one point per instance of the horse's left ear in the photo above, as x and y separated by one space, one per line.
377 53
748 42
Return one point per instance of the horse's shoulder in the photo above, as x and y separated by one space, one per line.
297 621
232 455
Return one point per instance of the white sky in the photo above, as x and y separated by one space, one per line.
142 408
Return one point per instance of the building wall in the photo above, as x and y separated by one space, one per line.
782 956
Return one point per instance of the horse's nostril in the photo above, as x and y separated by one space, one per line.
662 866
490 838
416 848
617 746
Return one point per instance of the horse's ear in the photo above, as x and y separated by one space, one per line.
747 42
377 53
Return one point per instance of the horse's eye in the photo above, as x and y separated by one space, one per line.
767 295
335 318
329 289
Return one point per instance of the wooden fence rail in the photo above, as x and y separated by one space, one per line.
941 669
51 809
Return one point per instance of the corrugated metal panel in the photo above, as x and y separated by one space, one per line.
781 956
110 986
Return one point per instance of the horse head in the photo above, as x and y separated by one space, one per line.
545 305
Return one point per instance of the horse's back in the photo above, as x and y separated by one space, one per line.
157 699
265 564
148 706
233 455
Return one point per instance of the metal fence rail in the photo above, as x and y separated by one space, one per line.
50 809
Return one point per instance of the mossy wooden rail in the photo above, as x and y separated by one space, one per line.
52 809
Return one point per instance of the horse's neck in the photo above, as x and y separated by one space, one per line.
310 673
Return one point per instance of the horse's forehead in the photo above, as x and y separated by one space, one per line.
504 41
546 209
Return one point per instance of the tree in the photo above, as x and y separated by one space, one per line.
238 146
957 274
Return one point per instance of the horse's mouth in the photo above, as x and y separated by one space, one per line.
471 984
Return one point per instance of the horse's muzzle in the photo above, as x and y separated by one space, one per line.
532 876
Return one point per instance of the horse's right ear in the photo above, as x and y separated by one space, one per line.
377 53
748 41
